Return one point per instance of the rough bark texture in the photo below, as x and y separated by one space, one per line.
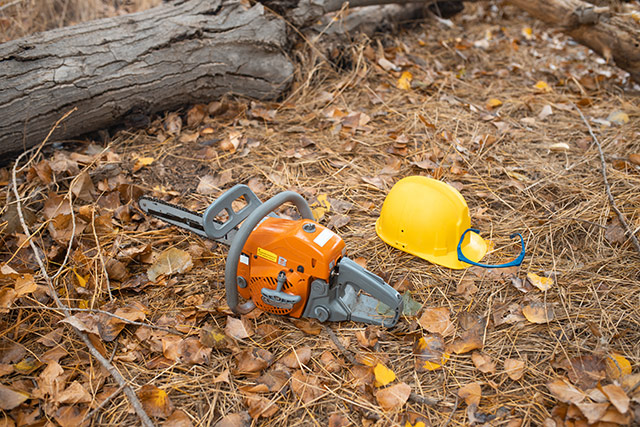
615 37
175 54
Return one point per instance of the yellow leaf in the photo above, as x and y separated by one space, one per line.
321 207
617 366
493 103
83 303
155 401
538 312
430 354
542 283
383 375
418 424
542 86
527 32
142 162
404 82
81 280
618 117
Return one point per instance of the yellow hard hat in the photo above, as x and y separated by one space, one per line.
430 219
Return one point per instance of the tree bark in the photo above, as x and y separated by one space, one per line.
615 37
160 59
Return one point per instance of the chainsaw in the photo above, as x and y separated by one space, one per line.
283 266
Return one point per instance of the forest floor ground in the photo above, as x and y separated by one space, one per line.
491 102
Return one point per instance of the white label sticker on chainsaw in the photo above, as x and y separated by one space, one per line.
244 259
324 236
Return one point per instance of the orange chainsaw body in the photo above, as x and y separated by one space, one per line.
303 249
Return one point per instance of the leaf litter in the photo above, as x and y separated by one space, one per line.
524 163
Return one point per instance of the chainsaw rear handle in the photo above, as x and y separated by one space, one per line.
251 221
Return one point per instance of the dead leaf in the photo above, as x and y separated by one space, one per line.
437 321
82 187
429 352
565 391
404 82
614 233
240 419
618 118
338 221
617 366
493 103
178 419
7 297
368 338
542 283
155 401
232 142
239 328
471 338
337 420
393 397
109 327
308 326
383 375
635 158
10 398
617 397
471 393
142 162
483 362
173 123
213 337
297 358
71 416
538 312
593 411
75 393
171 261
306 386
584 371
514 368
260 406
196 115
542 87
253 360
330 362
545 112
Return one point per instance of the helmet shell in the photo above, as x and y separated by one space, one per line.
426 218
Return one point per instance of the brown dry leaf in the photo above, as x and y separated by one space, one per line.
173 123
470 339
542 283
297 357
635 158
260 406
178 419
614 416
232 141
82 187
308 326
192 352
271 381
196 115
538 312
71 416
155 401
239 328
565 392
514 368
330 362
617 397
109 327
593 411
584 371
211 336
171 261
429 353
10 398
116 270
75 393
393 397
437 321
306 386
471 393
483 362
239 419
253 360
7 297
337 420
383 375
368 338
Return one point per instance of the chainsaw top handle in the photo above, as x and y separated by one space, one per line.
251 221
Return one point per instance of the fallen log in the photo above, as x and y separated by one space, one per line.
172 55
614 36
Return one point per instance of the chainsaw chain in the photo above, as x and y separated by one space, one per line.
162 202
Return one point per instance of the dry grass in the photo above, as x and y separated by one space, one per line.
515 182
19 18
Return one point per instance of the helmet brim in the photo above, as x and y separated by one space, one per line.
474 248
